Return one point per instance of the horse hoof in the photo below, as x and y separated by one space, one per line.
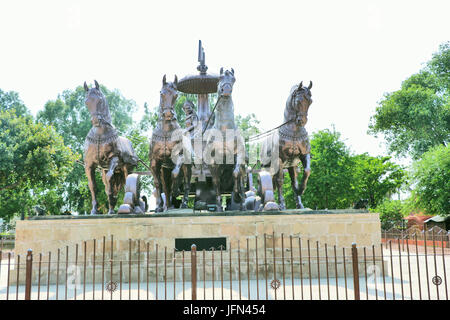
300 206
183 206
157 210
111 211
94 212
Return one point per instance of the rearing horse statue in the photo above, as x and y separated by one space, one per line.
294 146
226 146
165 163
105 149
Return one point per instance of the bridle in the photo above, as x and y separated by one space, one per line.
164 109
298 114
222 84
101 115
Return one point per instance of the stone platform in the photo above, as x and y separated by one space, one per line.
334 227
128 237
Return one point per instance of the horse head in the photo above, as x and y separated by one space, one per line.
97 105
169 94
226 82
298 103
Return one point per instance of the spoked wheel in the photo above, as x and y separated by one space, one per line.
132 202
265 191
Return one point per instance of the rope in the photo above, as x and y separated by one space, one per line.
210 115
256 137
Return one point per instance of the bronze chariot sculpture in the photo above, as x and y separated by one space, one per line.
220 168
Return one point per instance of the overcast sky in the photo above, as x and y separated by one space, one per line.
353 51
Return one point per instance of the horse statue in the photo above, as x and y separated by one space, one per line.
165 163
183 168
294 146
227 155
105 149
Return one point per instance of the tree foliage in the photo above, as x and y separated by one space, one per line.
33 162
330 184
391 213
376 177
249 124
417 117
339 179
10 101
431 176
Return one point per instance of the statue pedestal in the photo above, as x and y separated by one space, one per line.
50 233
334 227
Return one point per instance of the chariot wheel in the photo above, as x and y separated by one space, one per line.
265 191
132 199
133 185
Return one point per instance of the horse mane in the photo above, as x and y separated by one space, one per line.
289 111
104 108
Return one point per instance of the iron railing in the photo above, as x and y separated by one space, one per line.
265 267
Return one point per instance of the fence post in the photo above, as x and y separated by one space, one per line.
355 271
194 272
29 264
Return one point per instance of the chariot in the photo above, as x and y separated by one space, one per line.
211 182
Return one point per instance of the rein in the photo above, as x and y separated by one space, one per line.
297 114
212 112
255 137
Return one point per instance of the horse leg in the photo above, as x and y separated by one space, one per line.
112 167
215 175
166 186
294 183
241 186
155 168
175 181
306 162
278 181
238 188
187 173
112 200
109 187
90 173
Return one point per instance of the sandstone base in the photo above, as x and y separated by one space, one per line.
130 236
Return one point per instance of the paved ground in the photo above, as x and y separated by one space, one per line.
401 281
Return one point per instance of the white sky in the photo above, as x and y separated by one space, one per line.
353 51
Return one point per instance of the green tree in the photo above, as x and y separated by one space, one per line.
248 124
10 101
417 117
390 213
339 179
33 161
431 178
330 184
375 178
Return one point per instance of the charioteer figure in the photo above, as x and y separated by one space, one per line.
191 120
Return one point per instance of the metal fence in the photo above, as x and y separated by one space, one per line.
265 267
434 236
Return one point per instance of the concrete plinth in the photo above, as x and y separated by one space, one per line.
338 228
